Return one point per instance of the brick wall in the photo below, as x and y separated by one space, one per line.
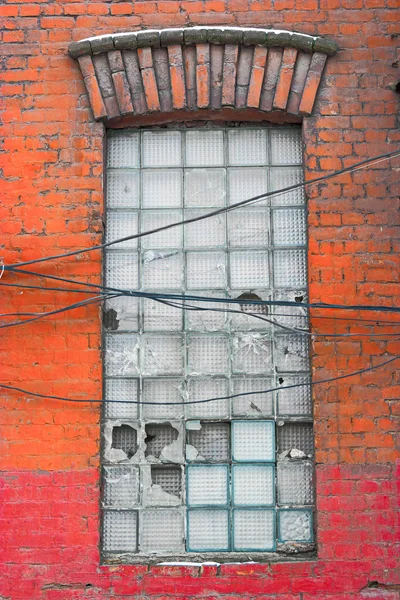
52 201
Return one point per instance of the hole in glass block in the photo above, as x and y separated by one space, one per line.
158 436
299 299
252 308
110 320
211 441
124 438
168 478
295 439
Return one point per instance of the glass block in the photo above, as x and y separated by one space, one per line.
169 238
122 189
159 391
163 269
297 436
207 233
295 482
121 389
253 485
252 353
162 188
207 485
162 355
168 478
247 146
203 389
297 400
158 437
120 486
161 317
161 149
254 405
290 268
120 531
291 352
286 146
204 148
249 269
253 441
250 317
291 316
208 354
123 148
289 227
121 355
208 530
161 531
121 270
124 437
295 526
121 314
253 530
205 187
282 178
248 228
248 182
206 270
213 319
119 225
211 441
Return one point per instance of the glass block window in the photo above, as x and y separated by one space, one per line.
181 475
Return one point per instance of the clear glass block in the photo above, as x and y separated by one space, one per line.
249 269
205 148
297 400
119 225
253 441
286 146
290 268
207 485
207 233
161 149
295 526
203 389
125 438
163 269
247 147
169 238
205 187
120 486
283 177
208 354
253 530
122 189
159 391
162 188
248 316
291 316
289 227
162 355
295 482
211 441
121 355
248 182
248 228
121 389
254 405
297 436
121 270
208 530
123 148
168 478
291 352
206 270
121 314
120 531
253 485
252 353
213 319
161 317
158 437
162 531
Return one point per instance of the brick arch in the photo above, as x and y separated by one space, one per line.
202 71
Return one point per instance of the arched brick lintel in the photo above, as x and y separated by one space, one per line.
275 75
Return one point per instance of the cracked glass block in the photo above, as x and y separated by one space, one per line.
205 148
120 531
119 225
158 437
292 316
162 355
161 149
170 238
290 268
121 270
289 227
208 354
248 316
163 269
160 391
121 389
249 269
208 530
248 227
207 485
253 441
297 400
286 146
162 188
202 389
282 178
253 530
297 436
161 317
121 355
207 233
124 437
295 526
206 320
246 183
121 314
123 149
211 441
252 353
291 352
120 486
253 485
206 270
161 531
168 478
295 482
247 147
205 187
254 405
122 189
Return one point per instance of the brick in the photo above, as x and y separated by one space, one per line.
203 75
285 79
273 66
312 82
177 75
122 93
190 76
217 60
257 77
229 74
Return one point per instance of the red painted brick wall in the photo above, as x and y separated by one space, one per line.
52 201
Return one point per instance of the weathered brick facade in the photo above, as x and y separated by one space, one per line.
52 202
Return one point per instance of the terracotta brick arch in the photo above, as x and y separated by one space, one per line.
202 70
